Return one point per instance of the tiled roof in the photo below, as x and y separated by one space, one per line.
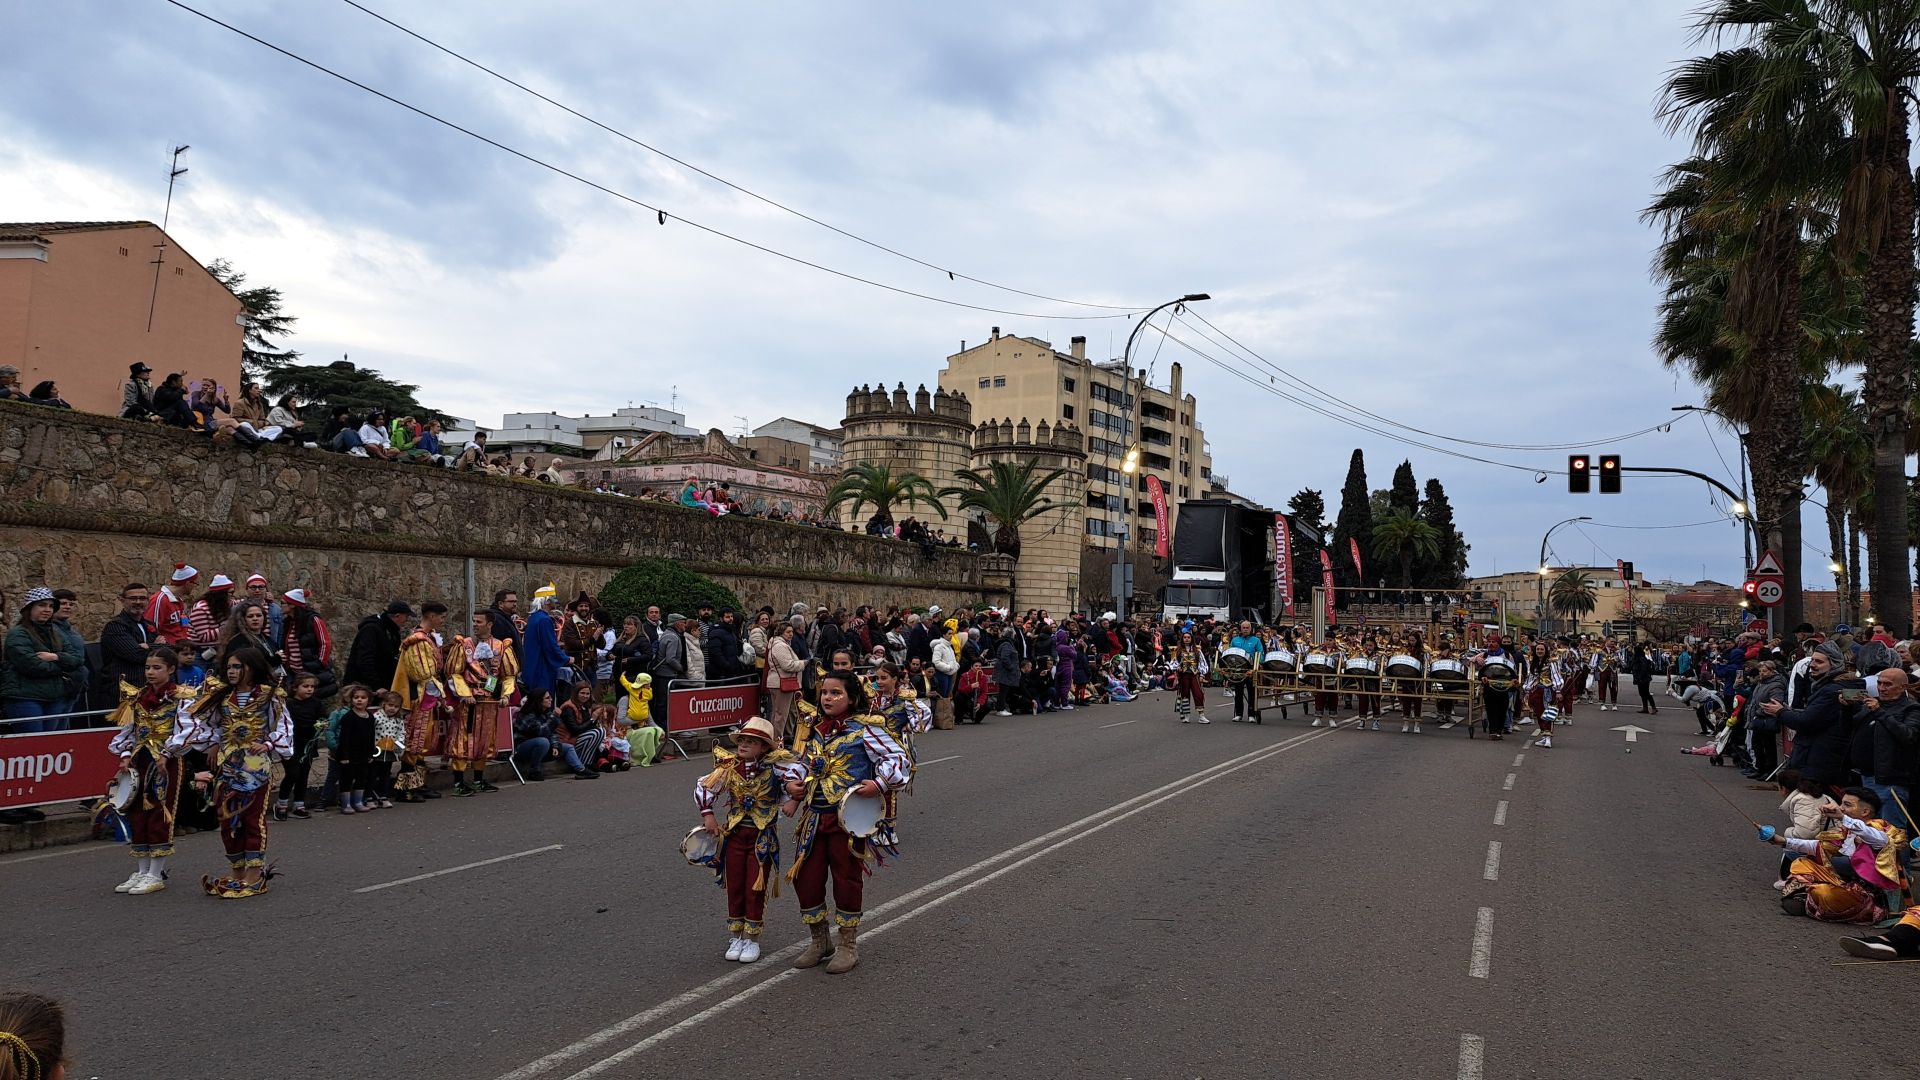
16 229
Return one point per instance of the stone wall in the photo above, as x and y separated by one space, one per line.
91 502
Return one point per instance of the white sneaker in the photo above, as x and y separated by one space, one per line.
1376 725
1201 717
1405 727
1416 727
1186 719
1316 722
1544 742
1003 712
734 945
749 950
148 883
133 879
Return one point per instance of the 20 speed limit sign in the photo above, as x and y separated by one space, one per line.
1769 592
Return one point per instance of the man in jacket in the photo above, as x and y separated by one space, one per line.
542 657
66 602
1820 724
669 663
376 646
1894 765
919 640
722 647
259 593
136 397
1764 731
506 603
126 639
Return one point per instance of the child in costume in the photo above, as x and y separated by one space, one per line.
146 717
1842 875
739 802
241 723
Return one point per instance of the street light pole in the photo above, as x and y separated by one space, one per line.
1540 587
1130 463
1746 538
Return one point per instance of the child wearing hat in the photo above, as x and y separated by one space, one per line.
750 776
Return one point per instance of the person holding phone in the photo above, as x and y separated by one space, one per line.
1820 726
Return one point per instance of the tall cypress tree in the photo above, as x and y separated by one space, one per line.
1405 493
1449 570
1355 523
1307 507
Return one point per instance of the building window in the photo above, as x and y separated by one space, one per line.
1186 445
1066 411
1183 491
985 382
1069 385
999 380
1099 527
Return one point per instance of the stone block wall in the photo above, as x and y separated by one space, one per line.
1050 544
92 502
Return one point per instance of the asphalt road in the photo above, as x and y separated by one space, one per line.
1101 893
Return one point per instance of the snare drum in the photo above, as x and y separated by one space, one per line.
1234 664
1403 666
1280 661
1447 671
1361 665
860 814
1318 663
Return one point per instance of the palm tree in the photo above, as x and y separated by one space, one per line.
884 489
1403 536
1857 61
1008 495
1842 454
1573 594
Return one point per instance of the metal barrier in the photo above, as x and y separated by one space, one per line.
703 705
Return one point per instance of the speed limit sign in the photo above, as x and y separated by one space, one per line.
1769 592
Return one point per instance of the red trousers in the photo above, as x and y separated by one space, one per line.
832 851
746 905
243 825
1536 701
1607 686
150 820
1188 686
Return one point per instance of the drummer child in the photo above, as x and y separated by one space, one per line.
748 861
1443 704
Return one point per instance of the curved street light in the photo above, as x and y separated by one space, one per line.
1540 600
1130 462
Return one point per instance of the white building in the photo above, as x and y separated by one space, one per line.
823 443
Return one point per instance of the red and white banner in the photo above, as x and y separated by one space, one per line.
1326 582
1159 495
1283 563
55 766
1353 545
699 708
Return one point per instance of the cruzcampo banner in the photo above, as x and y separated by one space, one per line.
1283 563
1326 582
1159 495
1353 545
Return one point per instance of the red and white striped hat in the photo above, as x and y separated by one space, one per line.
256 579
220 583
182 573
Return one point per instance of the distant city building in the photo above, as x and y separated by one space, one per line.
664 462
1522 589
600 437
823 444
80 301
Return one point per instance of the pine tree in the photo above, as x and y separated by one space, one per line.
1309 508
263 319
1355 523
323 386
1448 570
1405 493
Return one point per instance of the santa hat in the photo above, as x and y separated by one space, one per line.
182 573
296 597
256 579
220 583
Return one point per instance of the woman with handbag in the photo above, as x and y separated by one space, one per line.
782 680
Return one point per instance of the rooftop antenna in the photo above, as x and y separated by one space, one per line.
675 406
174 173
743 426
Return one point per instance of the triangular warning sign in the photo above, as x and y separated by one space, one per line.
1768 566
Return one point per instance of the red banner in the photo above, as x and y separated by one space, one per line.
55 766
1283 563
1353 545
1326 582
696 709
1159 495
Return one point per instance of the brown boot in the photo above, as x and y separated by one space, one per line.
849 952
818 949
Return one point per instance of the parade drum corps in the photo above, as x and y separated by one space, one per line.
1447 675
1403 666
1234 664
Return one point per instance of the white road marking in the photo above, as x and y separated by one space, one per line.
1473 1057
938 760
457 869
1492 871
1122 723
1508 786
80 849
1046 844
1517 759
1500 813
1482 960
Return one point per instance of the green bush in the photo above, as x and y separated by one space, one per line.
662 582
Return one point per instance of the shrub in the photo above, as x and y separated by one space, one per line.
663 582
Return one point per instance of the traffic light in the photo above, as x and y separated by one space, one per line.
1749 588
1626 570
1579 480
1609 474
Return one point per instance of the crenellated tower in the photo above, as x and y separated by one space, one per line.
1048 574
929 433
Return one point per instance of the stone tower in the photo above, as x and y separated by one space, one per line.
931 435
1048 574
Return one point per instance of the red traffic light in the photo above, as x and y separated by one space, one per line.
1577 463
1750 587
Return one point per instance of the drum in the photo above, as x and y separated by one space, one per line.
860 814
1361 665
1495 669
1318 663
1280 662
124 790
1234 664
1447 671
1403 666
700 848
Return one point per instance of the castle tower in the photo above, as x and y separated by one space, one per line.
930 434
1048 574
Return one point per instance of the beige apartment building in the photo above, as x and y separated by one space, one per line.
1025 378
1522 589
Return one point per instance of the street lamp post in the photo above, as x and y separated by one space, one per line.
1540 599
1746 501
1130 463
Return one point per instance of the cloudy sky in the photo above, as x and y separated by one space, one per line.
1429 211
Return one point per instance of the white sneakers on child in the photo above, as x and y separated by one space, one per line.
749 950
1406 726
1544 742
1201 718
127 885
734 945
148 883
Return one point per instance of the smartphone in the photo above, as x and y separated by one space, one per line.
1853 697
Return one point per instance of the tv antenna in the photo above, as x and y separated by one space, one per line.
174 173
